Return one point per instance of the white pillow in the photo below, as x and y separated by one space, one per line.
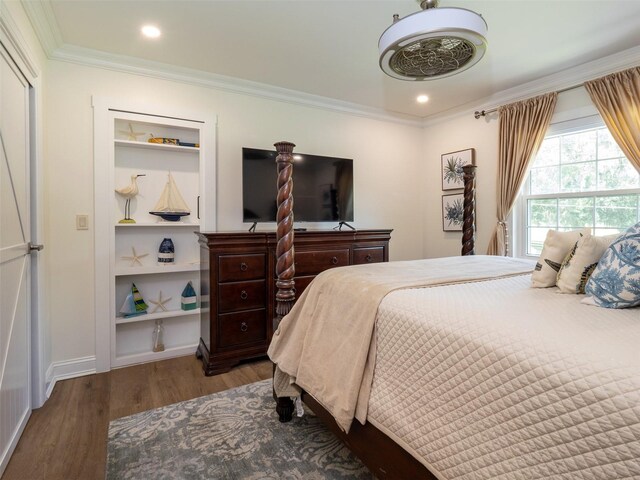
556 247
581 261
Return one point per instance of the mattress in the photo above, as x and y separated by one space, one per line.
497 380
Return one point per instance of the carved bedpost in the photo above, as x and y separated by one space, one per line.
285 267
469 220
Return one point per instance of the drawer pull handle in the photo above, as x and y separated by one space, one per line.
244 295
334 260
243 267
368 258
243 327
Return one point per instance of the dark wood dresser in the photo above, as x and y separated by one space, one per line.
238 284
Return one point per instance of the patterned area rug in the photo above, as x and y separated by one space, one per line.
229 435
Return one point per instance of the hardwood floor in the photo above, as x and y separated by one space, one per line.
66 439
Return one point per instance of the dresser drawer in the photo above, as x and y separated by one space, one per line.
316 261
302 283
244 327
368 255
233 297
233 268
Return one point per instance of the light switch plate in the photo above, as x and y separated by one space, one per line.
82 222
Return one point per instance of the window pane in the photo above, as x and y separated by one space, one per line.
578 147
601 232
549 153
544 180
617 173
582 180
607 146
536 240
543 213
575 213
578 177
618 212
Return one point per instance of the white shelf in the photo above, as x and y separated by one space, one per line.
157 224
157 269
157 316
124 360
155 146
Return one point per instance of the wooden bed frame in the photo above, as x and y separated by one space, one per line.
383 456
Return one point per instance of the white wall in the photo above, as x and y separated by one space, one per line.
397 171
464 132
458 134
387 173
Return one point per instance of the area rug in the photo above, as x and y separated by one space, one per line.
229 435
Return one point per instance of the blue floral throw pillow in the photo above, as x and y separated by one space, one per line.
615 283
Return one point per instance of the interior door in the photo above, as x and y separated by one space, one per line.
15 355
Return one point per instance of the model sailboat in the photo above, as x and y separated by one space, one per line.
171 205
134 303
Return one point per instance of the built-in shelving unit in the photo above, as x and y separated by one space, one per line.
122 340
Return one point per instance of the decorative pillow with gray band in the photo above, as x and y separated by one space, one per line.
581 261
556 247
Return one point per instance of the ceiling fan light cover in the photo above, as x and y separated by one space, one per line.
432 44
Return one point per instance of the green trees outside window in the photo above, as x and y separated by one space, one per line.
580 179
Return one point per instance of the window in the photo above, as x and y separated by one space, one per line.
579 179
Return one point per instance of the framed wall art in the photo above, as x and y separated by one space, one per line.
452 163
452 210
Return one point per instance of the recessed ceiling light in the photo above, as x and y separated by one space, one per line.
422 99
150 31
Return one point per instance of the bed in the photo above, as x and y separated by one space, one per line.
466 372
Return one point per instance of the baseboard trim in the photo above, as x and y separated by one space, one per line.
76 367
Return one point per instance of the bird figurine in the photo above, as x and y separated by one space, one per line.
129 192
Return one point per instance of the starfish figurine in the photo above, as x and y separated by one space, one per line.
131 135
160 303
135 258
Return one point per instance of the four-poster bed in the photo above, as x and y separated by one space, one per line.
382 455
462 370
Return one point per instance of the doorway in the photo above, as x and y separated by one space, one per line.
15 254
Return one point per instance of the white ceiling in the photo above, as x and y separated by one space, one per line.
329 47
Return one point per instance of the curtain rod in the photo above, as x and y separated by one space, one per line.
477 114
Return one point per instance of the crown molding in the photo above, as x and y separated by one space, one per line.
148 68
15 43
44 23
46 26
565 79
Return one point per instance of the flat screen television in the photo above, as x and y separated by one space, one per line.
322 187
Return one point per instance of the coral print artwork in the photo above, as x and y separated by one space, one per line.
452 210
452 163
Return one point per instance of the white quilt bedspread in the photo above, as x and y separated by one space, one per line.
497 380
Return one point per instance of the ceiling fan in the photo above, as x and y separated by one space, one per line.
433 43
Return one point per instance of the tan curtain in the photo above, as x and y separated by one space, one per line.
522 127
617 97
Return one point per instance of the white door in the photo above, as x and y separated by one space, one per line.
15 356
